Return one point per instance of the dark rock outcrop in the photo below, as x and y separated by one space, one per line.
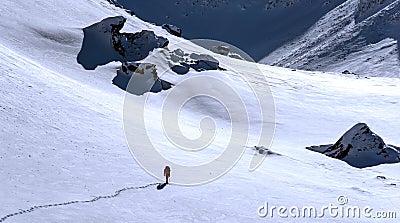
124 75
103 43
174 30
140 78
182 68
198 62
360 147
264 151
202 65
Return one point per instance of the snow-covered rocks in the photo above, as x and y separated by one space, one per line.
264 151
181 62
360 147
202 62
103 43
226 51
144 78
174 30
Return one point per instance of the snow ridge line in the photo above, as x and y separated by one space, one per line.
116 193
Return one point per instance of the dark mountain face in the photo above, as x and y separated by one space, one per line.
256 26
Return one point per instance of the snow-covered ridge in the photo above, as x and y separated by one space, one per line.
358 36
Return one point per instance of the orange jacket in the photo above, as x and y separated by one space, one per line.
167 171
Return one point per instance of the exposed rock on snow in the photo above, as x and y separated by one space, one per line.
202 65
203 62
147 79
136 46
226 51
144 78
264 151
182 68
103 42
346 72
174 30
181 62
360 147
124 74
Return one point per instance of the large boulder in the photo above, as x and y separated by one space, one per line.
140 78
174 30
360 147
103 43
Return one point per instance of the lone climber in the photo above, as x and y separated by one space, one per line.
167 173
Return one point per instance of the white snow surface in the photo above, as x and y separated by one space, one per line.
62 135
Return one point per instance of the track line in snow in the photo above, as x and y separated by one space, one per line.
116 193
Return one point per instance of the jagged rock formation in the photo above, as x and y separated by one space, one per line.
103 43
174 30
264 151
140 78
360 147
181 62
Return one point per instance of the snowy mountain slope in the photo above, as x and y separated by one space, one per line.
359 36
62 137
